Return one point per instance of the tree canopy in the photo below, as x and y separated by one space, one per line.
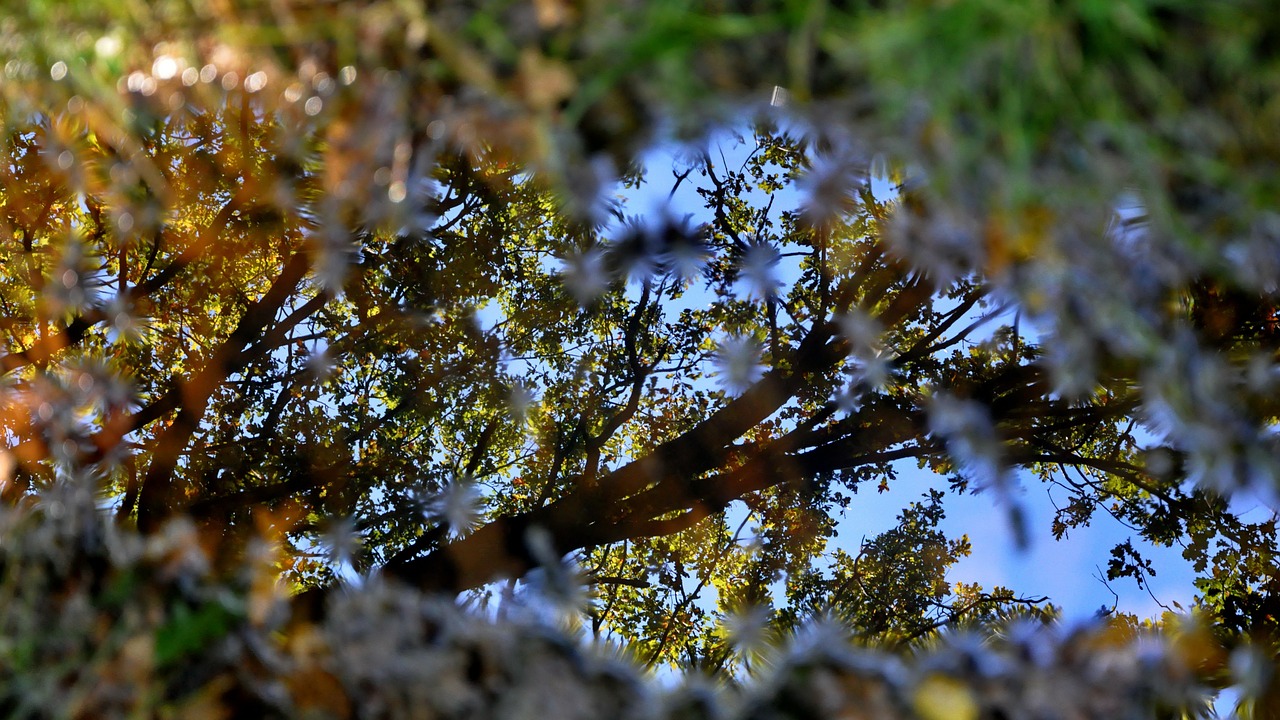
313 311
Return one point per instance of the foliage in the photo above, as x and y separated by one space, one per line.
318 291
100 622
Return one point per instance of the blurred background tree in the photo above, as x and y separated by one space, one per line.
314 290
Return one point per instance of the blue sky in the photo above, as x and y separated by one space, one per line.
1067 571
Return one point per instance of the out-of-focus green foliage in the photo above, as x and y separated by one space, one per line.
99 622
324 289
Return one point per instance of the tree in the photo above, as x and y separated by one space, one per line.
355 287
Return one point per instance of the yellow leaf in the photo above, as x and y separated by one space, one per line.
942 698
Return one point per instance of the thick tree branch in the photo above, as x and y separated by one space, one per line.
499 548
156 496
